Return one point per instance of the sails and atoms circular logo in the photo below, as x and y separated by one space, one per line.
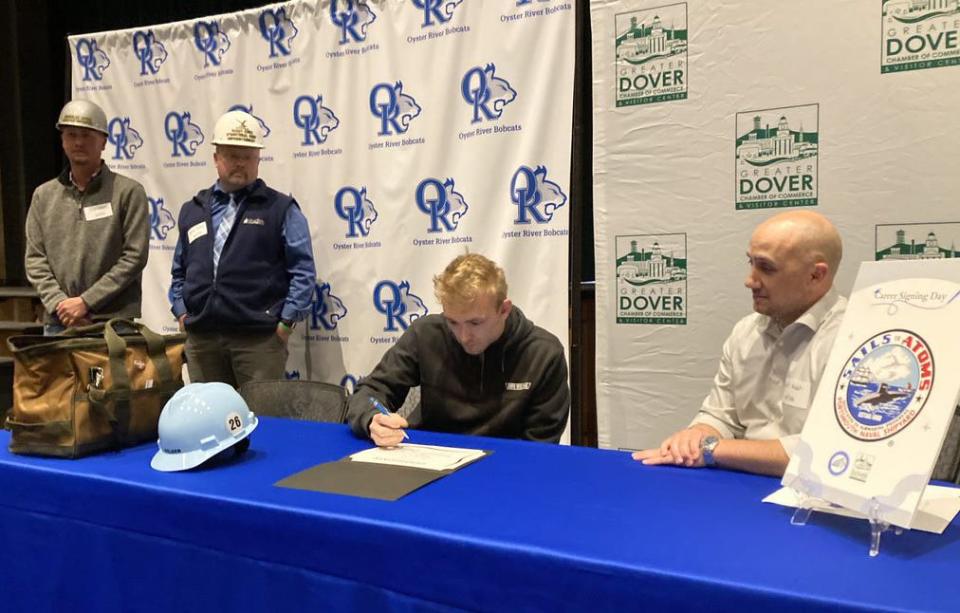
884 385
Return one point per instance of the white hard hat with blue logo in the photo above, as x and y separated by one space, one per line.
198 422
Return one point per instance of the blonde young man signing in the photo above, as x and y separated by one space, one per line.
773 360
483 368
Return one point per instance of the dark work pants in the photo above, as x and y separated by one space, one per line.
235 358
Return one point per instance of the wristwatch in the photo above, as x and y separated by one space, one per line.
707 446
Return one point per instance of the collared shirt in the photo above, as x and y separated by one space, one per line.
767 376
298 253
92 177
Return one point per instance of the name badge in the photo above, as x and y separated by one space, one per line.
797 393
196 231
97 211
254 221
518 386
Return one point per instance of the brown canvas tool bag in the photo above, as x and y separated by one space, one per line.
91 389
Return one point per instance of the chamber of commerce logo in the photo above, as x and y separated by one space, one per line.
536 198
442 203
933 241
920 34
326 309
354 207
884 385
436 12
315 120
151 52
393 107
124 139
278 30
161 219
651 55
352 17
92 59
248 109
183 134
652 279
777 157
399 307
486 93
212 42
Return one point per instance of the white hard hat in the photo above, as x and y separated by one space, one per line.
238 129
83 114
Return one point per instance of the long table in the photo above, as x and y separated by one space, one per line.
531 527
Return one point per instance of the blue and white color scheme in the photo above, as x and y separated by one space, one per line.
393 107
486 93
211 42
149 51
353 206
396 126
161 219
352 17
443 204
183 134
314 119
535 197
123 138
278 30
436 12
398 305
91 59
326 309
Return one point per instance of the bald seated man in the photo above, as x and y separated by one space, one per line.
773 360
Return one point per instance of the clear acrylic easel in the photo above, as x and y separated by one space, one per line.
877 525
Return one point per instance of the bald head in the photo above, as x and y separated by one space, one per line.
808 236
793 257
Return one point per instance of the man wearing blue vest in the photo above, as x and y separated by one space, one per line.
243 271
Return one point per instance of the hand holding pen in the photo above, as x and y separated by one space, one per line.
386 428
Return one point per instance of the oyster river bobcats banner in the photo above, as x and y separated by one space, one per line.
711 117
408 132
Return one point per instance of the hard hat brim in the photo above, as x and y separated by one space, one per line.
237 144
173 462
61 124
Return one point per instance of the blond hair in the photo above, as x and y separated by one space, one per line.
469 277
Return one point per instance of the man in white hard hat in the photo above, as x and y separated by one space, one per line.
243 271
88 230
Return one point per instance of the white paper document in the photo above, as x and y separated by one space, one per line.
428 457
938 506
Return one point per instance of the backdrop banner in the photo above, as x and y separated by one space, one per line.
711 117
408 132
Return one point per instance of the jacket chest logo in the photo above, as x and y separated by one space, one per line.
518 387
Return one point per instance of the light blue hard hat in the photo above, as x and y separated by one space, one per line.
198 422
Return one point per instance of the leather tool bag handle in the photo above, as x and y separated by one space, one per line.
120 393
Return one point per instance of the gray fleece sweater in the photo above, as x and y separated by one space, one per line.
93 244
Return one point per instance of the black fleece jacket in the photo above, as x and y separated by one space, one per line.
516 389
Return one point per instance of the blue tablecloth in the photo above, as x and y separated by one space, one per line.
532 527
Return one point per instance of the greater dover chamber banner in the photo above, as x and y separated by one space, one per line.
713 116
409 132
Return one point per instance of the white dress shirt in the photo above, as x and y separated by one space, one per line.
767 376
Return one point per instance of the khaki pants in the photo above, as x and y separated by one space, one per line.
235 358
